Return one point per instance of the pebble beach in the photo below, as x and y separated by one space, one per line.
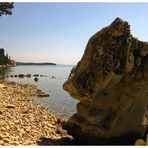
24 122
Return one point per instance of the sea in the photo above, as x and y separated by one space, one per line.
51 79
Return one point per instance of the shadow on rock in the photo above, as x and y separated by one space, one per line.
126 140
61 141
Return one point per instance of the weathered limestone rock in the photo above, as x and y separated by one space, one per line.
111 83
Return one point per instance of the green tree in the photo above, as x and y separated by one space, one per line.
6 8
4 59
2 56
7 58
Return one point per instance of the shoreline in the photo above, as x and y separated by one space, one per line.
24 122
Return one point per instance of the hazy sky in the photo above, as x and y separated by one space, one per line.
58 32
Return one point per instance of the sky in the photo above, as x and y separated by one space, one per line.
59 32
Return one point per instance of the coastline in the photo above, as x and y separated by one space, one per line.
24 122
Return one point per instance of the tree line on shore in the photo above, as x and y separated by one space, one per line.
4 59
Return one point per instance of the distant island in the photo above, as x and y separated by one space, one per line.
26 63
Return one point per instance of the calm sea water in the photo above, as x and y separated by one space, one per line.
59 102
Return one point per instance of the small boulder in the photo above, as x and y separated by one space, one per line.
140 142
10 106
36 79
21 75
43 95
28 75
11 76
15 76
36 75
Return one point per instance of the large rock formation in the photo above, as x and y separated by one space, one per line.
111 83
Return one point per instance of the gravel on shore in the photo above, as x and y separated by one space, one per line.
24 122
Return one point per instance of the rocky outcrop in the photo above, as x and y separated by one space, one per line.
111 83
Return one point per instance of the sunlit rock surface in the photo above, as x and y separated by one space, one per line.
111 83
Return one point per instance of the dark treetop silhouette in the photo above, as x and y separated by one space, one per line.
6 8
